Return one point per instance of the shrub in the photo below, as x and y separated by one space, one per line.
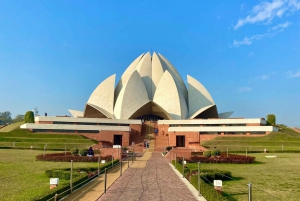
206 190
83 152
168 148
271 119
29 117
66 175
215 153
207 153
74 152
57 174
232 158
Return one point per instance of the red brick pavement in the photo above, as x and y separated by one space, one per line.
157 181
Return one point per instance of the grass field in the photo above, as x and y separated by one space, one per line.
11 127
22 177
286 139
272 178
20 138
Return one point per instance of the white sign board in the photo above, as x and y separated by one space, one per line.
102 161
117 146
184 162
218 183
54 181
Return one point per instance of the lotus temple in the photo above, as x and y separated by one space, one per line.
150 98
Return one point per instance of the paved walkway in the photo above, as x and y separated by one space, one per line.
150 180
93 190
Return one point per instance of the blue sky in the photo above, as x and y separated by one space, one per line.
53 54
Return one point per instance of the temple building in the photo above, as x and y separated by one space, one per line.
150 98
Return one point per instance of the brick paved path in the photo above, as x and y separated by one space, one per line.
156 181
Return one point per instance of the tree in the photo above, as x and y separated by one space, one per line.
18 118
271 119
5 117
29 117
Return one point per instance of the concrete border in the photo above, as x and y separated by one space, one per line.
193 190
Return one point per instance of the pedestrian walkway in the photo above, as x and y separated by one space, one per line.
151 180
95 189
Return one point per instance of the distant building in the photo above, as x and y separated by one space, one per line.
150 90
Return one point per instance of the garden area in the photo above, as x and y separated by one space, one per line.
24 139
271 178
26 176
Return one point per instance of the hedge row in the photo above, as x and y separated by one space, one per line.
78 179
61 190
211 175
206 190
232 158
62 157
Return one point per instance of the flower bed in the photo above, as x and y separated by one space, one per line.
67 157
232 158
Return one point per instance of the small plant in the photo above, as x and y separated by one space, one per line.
83 152
74 151
215 153
207 154
29 117
169 148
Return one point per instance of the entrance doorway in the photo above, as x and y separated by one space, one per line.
180 141
118 140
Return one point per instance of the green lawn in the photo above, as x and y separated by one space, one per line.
20 138
286 139
22 177
272 178
11 127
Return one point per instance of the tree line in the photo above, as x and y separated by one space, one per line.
5 118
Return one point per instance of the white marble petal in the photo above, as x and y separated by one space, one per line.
76 113
158 69
176 76
132 96
124 78
198 96
170 98
225 115
144 67
103 95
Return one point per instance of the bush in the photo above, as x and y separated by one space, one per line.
62 190
206 190
57 174
29 117
215 153
168 148
232 158
66 175
83 152
271 119
207 154
74 152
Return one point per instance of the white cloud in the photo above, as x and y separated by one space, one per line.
264 77
248 41
267 11
281 26
290 74
244 89
250 54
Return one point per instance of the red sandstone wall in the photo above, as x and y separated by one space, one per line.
109 136
162 129
44 122
191 138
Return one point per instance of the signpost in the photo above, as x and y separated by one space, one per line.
218 185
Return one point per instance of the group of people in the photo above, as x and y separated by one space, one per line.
146 144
